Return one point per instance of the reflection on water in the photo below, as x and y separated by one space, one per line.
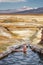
19 58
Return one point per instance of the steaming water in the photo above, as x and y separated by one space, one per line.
19 58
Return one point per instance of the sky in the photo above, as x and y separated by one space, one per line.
16 4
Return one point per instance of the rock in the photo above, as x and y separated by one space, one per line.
41 51
36 49
9 50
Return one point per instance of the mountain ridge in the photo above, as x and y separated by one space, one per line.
30 11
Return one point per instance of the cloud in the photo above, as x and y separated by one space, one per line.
12 0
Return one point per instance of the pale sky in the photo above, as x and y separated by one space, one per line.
16 4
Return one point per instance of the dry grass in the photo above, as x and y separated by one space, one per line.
18 19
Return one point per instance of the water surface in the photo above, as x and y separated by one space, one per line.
19 58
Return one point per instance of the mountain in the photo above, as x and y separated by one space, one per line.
9 11
24 10
13 11
32 11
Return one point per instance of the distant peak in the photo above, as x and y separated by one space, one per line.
25 8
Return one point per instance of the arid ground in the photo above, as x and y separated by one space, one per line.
16 28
